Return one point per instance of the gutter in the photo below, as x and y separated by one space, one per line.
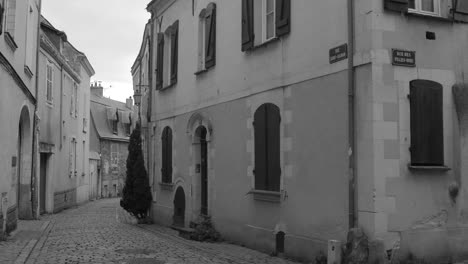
35 140
351 119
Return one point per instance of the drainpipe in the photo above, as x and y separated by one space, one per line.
351 119
35 143
150 99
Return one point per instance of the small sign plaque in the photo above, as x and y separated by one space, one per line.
198 168
339 53
403 58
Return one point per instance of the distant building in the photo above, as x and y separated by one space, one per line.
18 99
292 122
63 96
111 126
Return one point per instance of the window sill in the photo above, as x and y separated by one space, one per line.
418 14
28 71
428 168
166 186
200 71
264 44
10 41
50 104
266 196
167 86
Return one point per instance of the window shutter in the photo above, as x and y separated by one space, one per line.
164 155
260 131
174 51
396 5
210 36
273 147
2 12
160 62
169 155
283 17
247 25
427 138
461 11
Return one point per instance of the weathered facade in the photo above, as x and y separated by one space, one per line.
111 124
18 163
288 122
63 96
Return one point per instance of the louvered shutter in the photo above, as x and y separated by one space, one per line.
427 137
273 147
169 155
164 155
461 11
160 62
174 51
260 130
210 36
247 25
2 12
396 5
283 17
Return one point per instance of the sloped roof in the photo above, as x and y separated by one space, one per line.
99 109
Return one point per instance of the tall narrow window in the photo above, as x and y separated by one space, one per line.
160 62
83 167
49 82
72 158
114 155
174 52
268 15
210 36
166 155
30 41
267 147
75 96
427 127
10 16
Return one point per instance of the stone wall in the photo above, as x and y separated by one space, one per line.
64 199
11 220
113 172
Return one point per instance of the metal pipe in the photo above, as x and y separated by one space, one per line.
351 118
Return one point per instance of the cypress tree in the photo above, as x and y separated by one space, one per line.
136 194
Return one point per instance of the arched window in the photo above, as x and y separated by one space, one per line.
267 147
166 155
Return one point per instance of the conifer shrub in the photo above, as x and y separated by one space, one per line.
136 194
204 231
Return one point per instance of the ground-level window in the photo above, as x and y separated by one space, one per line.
267 170
166 155
427 128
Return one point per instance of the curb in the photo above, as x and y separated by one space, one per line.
26 251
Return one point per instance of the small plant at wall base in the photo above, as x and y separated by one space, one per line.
136 198
204 231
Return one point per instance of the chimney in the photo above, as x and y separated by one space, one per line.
129 103
97 89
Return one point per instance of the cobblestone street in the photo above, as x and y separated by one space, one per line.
91 234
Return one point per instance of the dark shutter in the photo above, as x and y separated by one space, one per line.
260 130
169 155
174 51
427 137
210 36
396 5
273 147
461 11
160 62
247 25
283 17
2 11
164 155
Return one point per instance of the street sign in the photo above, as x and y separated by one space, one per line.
339 53
404 58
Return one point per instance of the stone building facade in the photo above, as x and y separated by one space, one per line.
110 130
309 119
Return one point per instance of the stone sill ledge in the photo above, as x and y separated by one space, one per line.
10 41
266 196
166 186
428 168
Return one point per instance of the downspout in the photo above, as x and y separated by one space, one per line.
35 143
150 99
351 119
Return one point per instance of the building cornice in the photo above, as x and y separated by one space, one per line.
157 7
50 49
11 70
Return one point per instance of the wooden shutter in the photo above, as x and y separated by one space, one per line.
396 5
2 12
461 11
160 61
260 130
174 51
283 17
164 155
169 155
247 25
427 137
210 36
273 120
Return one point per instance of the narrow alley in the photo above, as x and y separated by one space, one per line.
91 234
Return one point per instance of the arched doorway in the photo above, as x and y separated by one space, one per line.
202 168
179 208
23 180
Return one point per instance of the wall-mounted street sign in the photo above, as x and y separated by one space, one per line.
404 58
339 53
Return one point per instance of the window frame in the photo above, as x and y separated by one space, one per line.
201 41
49 83
418 8
265 21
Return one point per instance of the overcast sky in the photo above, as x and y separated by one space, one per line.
109 32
